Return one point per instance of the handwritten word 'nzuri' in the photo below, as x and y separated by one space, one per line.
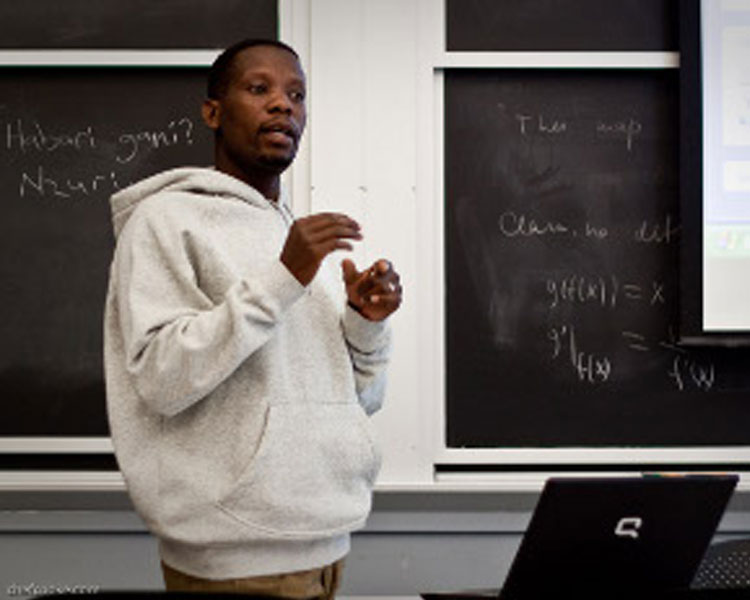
42 185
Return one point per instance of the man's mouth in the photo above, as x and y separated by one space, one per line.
280 133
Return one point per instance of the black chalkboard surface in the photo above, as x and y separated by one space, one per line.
562 251
69 139
134 23
561 25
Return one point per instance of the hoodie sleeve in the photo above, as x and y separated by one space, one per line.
369 345
180 345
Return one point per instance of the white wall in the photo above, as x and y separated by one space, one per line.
361 159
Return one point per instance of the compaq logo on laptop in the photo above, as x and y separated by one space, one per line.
628 527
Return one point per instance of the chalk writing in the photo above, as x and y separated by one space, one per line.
657 233
540 124
598 233
521 225
582 289
42 184
512 225
683 369
636 341
176 132
686 371
24 137
50 178
628 129
604 291
607 291
588 367
655 295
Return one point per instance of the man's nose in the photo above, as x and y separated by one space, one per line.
280 102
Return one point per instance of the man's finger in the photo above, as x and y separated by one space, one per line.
325 247
382 275
334 230
384 289
349 271
383 266
322 221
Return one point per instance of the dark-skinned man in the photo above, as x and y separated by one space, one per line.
241 367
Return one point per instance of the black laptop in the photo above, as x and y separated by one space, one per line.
607 537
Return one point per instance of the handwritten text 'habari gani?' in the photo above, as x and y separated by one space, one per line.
111 156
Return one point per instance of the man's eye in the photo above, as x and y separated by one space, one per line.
297 96
257 88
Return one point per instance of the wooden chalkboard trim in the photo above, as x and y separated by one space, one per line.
542 60
107 58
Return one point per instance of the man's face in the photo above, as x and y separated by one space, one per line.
261 116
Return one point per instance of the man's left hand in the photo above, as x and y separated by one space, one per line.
375 292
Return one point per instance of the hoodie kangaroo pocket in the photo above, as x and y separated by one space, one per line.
312 474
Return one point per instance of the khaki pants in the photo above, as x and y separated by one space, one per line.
319 584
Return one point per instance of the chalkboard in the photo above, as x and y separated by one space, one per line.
555 25
134 23
562 250
69 138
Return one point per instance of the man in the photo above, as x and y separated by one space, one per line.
240 367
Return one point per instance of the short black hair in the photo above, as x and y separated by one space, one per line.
220 74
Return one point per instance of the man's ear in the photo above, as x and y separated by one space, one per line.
210 112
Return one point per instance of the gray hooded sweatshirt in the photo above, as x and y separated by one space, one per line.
237 398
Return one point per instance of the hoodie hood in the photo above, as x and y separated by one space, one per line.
206 181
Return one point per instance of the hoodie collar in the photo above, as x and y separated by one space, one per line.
196 180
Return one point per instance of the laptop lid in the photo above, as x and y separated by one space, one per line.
619 534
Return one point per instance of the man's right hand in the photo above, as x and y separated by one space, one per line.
313 238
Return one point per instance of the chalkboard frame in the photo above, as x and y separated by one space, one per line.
479 467
74 453
462 464
55 454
